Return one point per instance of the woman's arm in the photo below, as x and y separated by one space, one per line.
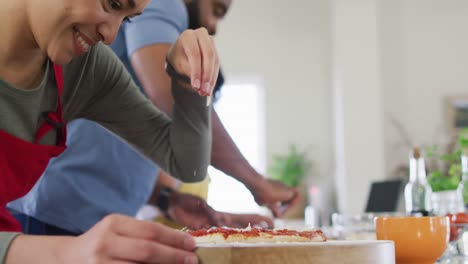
180 146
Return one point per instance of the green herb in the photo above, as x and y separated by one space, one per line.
290 168
442 180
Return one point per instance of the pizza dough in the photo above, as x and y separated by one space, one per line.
218 235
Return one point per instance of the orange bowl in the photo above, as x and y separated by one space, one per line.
417 239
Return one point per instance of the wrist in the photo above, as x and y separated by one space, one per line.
41 249
254 180
164 199
176 77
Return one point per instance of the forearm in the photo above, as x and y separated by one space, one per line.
226 156
26 249
181 146
148 63
191 133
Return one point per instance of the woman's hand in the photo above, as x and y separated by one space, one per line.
121 238
116 239
194 55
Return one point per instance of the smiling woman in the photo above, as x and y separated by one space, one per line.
53 69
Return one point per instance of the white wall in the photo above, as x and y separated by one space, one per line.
422 52
287 43
425 57
357 87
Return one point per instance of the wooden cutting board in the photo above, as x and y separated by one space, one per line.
343 252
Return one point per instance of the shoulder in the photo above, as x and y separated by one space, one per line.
162 21
161 12
174 8
90 74
99 60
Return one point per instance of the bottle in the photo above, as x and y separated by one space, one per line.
417 191
463 185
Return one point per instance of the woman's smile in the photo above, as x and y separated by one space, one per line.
82 42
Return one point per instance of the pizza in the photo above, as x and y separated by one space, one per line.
219 235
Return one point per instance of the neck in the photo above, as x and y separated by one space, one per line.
21 60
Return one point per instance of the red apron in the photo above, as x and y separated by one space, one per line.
23 162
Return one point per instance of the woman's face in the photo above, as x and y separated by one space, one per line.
68 28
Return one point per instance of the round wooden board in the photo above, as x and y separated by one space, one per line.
334 251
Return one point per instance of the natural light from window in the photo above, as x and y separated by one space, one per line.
241 110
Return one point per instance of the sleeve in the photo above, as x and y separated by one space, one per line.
181 146
161 22
5 241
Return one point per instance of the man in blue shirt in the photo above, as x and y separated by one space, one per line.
99 174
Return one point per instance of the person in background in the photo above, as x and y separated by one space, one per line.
53 70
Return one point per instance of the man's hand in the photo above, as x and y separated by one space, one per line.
194 55
193 212
275 195
244 220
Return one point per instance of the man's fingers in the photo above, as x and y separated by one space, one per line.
275 209
280 208
295 199
213 218
266 222
224 219
193 202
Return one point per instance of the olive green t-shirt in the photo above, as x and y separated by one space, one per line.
97 87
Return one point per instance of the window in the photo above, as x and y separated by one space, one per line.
241 110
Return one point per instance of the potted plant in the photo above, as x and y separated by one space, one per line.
291 169
445 179
448 176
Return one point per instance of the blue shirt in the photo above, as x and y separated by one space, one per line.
161 22
99 174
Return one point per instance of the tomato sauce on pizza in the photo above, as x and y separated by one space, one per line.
255 235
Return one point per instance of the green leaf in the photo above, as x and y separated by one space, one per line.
431 151
463 138
289 168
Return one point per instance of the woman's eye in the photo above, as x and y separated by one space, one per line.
219 12
115 4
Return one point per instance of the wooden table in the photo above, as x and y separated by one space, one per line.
343 252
